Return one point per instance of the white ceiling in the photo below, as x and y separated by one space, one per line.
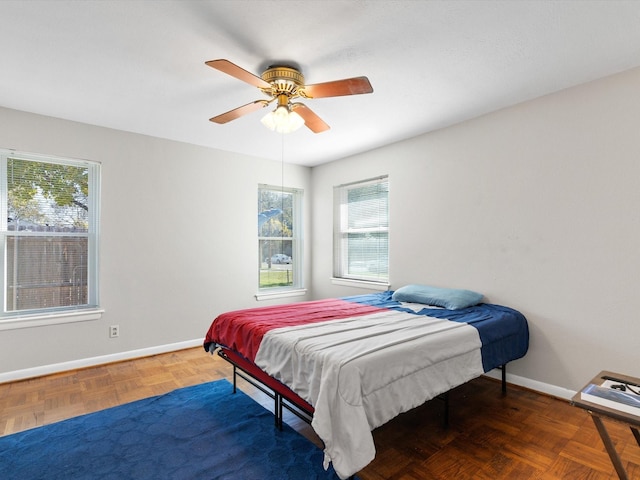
138 65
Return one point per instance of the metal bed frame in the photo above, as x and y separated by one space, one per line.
285 398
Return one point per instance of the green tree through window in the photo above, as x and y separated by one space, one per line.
50 230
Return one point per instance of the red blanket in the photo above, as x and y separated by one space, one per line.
242 330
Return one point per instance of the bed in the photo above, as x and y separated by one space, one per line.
354 363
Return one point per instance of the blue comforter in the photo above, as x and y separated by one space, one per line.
503 331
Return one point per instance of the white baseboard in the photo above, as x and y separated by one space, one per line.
93 361
546 388
541 387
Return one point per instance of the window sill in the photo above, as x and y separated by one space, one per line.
347 282
281 294
27 321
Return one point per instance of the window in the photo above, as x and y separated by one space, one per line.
279 238
48 233
361 231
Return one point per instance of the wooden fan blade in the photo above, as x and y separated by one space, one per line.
338 88
239 112
311 120
240 73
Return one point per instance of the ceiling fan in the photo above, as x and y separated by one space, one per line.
284 84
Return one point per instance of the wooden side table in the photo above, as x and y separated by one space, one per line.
598 412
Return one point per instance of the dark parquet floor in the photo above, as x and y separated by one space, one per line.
523 435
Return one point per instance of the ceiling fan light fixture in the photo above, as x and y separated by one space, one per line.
285 84
282 120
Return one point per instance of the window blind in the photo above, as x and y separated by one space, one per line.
361 246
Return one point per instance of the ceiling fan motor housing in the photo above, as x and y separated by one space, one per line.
283 80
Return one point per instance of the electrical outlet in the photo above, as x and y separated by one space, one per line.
114 331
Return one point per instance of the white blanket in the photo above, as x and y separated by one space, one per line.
360 372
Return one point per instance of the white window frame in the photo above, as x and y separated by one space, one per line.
297 288
59 314
341 270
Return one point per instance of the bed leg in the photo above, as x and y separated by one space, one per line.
445 399
504 379
235 376
446 410
277 409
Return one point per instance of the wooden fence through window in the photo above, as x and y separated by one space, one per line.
46 271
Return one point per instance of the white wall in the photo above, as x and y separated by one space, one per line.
536 206
178 238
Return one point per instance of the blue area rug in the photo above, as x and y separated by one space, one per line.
201 432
